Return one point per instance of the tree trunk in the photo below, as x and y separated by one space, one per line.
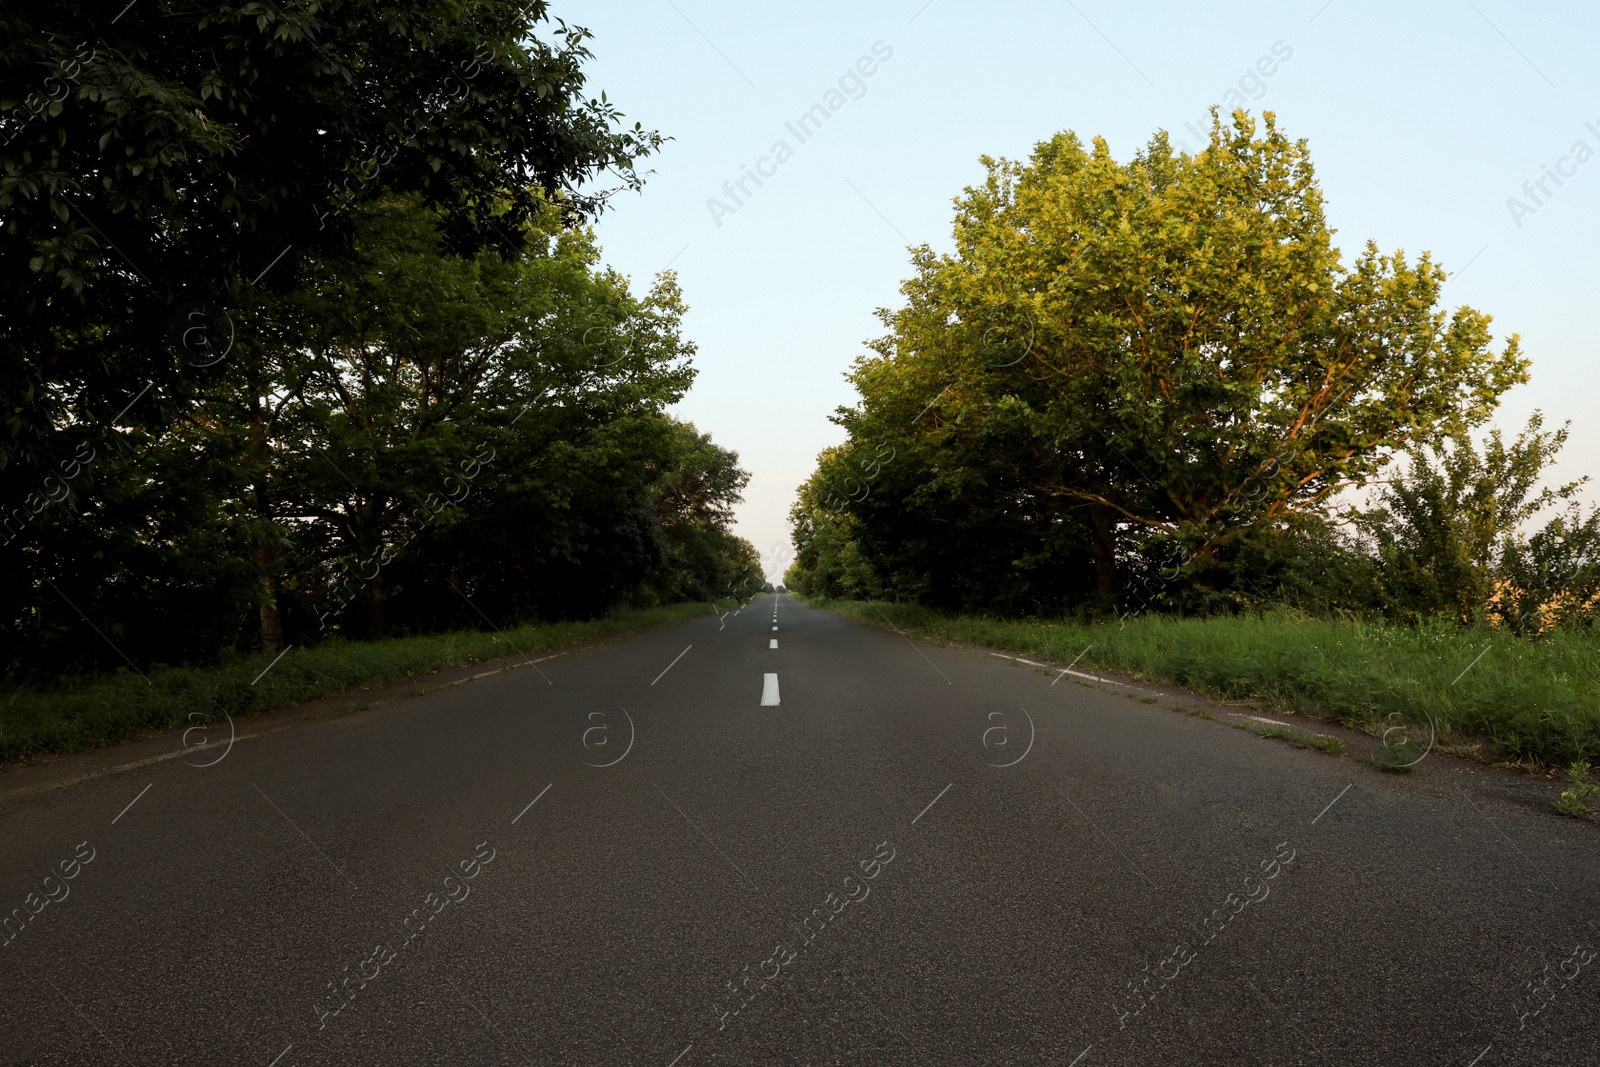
374 598
271 620
267 586
1103 546
1203 567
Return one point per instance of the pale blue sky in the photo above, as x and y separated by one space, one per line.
1423 119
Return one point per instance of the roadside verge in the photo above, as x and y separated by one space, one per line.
81 714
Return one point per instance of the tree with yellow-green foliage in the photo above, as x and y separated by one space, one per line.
1169 351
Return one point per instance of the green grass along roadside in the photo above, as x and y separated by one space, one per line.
73 715
1488 694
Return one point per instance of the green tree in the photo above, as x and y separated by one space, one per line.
171 152
1167 349
417 437
1450 538
828 558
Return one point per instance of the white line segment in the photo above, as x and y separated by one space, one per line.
769 690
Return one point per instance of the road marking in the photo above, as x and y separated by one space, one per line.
1331 803
531 803
774 629
1256 718
679 1056
1069 666
1069 670
281 1055
772 643
131 803
673 664
931 803
1482 1054
769 690
1081 1055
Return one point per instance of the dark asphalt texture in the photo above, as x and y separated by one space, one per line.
1137 887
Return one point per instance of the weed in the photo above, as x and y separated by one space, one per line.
74 714
1300 739
1149 700
1537 705
1398 756
1575 801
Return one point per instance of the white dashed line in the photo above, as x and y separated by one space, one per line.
769 690
772 643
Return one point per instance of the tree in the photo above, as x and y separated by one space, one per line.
828 559
418 378
1450 538
165 164
1168 349
418 438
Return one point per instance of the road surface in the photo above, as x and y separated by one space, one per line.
780 837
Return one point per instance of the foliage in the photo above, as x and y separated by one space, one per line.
1537 701
1575 799
411 438
828 559
1300 738
162 153
1121 356
1450 535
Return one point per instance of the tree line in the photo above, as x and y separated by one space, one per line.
1152 385
307 335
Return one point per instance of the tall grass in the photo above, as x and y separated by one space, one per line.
1536 700
76 714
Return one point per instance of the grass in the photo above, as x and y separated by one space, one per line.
1300 738
1536 701
72 715
1194 711
1575 800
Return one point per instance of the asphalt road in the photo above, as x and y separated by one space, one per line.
916 856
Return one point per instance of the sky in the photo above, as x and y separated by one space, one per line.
1425 121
